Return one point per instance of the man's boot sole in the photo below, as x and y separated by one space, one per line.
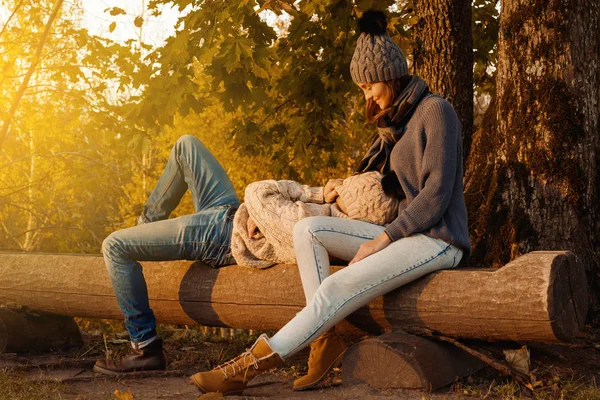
203 391
311 385
130 373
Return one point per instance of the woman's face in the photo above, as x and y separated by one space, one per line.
377 91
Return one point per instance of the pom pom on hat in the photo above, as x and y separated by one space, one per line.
373 22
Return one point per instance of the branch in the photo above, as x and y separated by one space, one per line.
32 68
10 17
498 366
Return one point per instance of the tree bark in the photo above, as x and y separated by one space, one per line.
443 56
539 297
532 180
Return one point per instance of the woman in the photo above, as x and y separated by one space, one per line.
258 234
419 141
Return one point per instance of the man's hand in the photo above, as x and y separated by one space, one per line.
371 247
251 227
329 192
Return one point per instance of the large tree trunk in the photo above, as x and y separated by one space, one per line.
443 55
532 180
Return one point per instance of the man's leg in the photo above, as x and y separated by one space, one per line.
205 235
190 165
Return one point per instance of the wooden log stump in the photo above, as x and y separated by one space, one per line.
541 296
398 360
23 331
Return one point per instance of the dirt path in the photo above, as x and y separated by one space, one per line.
83 384
565 372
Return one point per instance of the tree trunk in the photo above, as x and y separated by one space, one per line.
532 180
443 56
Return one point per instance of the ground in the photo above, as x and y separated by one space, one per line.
563 371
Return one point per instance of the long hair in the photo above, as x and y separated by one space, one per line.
392 89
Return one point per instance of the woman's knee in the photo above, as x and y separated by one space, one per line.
307 227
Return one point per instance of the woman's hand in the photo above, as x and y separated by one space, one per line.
371 247
251 227
329 192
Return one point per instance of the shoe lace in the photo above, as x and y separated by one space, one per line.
243 362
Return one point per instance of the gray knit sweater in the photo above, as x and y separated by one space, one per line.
427 160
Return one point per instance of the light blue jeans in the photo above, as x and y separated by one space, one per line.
205 235
332 297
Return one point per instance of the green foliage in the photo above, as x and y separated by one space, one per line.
96 124
61 167
485 38
290 96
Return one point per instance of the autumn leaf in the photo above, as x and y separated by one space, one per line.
518 359
112 26
138 21
117 11
123 395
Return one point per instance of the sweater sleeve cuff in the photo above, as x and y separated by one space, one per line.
400 227
315 195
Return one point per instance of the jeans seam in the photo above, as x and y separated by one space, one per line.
312 247
192 184
345 301
315 230
167 187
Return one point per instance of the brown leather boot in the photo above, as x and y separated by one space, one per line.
233 376
325 353
149 358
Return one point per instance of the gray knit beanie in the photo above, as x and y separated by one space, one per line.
376 57
365 199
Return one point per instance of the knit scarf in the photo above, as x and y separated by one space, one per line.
392 126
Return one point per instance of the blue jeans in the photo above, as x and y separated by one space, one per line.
205 235
332 297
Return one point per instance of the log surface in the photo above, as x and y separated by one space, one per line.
540 296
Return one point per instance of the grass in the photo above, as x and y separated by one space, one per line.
508 389
13 387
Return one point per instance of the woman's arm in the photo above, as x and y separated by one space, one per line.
371 247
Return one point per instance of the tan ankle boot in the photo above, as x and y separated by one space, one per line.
233 376
325 353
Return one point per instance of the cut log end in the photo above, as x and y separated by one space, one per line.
398 360
567 295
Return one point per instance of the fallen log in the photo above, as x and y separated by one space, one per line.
541 296
23 330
